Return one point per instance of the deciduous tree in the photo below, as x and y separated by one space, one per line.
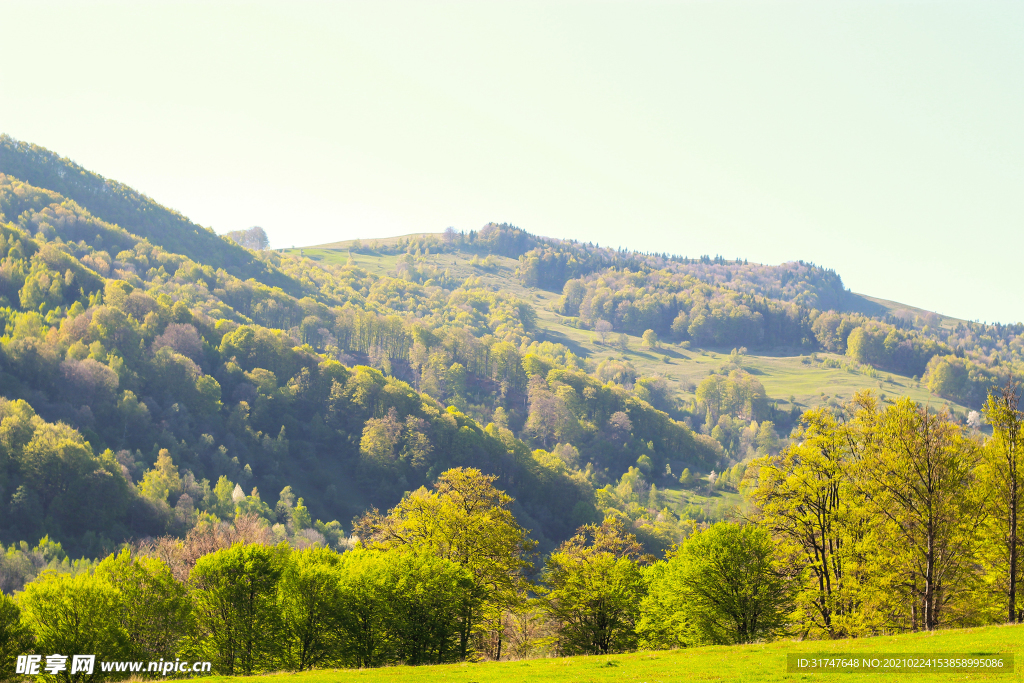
15 637
468 521
76 615
804 496
593 585
1003 481
916 470
155 612
312 609
722 586
237 620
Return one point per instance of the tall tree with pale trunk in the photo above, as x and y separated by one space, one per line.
1004 483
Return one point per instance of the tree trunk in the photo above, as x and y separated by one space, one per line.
1013 540
464 635
929 582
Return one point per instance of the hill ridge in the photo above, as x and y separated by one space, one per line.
121 205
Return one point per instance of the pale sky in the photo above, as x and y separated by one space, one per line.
881 139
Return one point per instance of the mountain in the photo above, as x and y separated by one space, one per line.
796 320
120 205
154 374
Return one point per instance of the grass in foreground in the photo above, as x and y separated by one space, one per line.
748 663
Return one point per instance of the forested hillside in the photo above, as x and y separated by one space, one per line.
145 390
123 206
429 448
719 302
155 375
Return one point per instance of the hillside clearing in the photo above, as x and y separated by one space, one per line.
785 373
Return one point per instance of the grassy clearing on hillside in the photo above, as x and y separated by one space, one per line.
783 373
379 265
717 505
895 306
345 244
747 663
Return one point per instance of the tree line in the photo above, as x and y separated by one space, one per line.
875 519
442 577
896 517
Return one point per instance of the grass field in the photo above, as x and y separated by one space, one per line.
345 244
719 504
784 373
746 663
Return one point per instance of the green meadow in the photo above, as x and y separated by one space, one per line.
747 663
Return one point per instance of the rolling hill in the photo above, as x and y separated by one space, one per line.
155 375
786 371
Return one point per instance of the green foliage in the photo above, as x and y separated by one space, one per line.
891 348
300 516
671 301
553 264
807 499
884 515
248 607
402 606
650 339
312 604
959 379
15 637
738 394
154 610
76 615
721 586
919 481
593 586
162 480
1001 477
238 626
55 475
466 520
19 563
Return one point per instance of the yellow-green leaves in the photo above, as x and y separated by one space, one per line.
76 615
465 520
723 585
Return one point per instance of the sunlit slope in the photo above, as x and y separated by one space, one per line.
748 663
128 208
786 373
346 244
